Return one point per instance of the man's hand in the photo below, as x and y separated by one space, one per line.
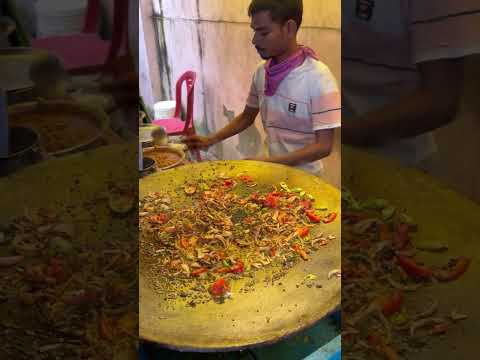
197 142
237 125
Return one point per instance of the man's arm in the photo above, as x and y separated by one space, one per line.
432 105
316 151
237 125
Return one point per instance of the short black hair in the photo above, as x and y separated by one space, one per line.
280 10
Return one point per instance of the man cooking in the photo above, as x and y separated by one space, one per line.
295 93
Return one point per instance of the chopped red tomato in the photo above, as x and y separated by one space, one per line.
246 179
302 232
55 270
228 183
384 233
329 218
199 271
313 217
237 268
184 243
439 329
413 269
307 204
159 218
298 249
105 328
88 297
271 200
454 271
374 340
219 288
283 217
391 304
400 237
273 251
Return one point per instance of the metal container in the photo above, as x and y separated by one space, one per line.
24 150
148 167
151 151
93 116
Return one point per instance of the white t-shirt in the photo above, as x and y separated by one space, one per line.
306 101
382 41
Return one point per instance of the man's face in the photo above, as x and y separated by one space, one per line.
270 39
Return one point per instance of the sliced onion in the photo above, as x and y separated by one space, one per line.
362 314
424 322
428 312
455 316
334 272
362 226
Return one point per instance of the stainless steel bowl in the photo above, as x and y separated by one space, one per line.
24 150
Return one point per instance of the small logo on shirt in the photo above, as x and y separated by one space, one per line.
292 107
365 9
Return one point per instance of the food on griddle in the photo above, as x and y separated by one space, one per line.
65 293
230 228
381 278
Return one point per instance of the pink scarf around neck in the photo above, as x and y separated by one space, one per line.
275 73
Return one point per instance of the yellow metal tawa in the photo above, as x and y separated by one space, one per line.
442 216
71 182
263 316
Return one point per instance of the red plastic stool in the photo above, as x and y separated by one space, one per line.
176 126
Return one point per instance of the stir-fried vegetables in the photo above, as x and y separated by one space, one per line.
380 270
63 283
232 227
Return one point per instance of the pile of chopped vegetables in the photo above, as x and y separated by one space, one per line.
380 278
69 282
231 228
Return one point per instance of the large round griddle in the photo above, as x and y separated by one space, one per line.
267 314
442 216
